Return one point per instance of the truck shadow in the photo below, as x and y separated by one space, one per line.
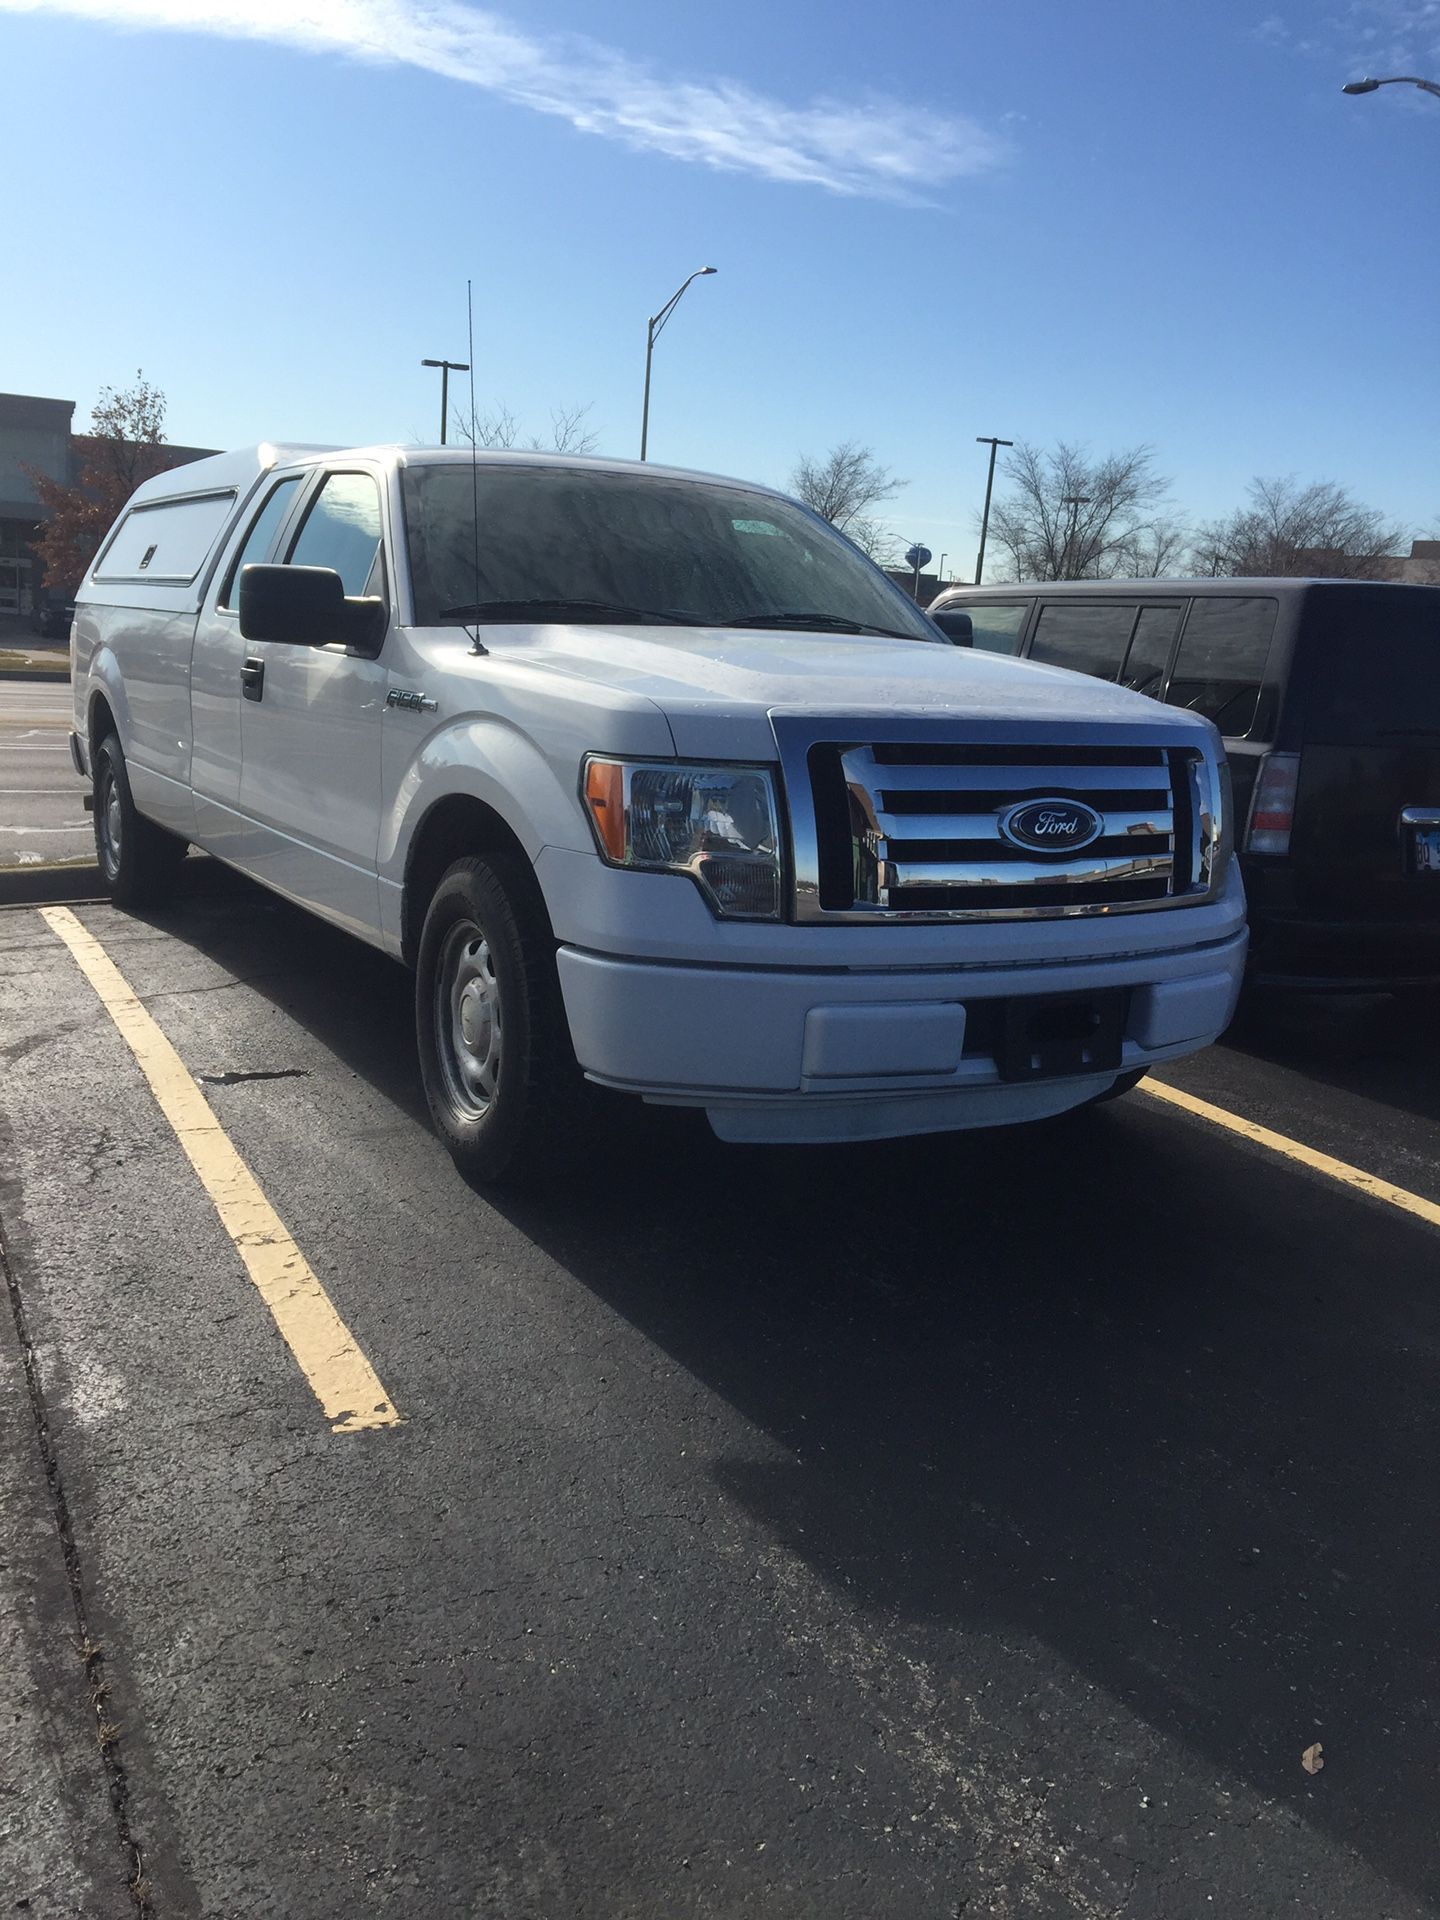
1117 1385
1380 1047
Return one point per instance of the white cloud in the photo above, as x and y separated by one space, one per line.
877 147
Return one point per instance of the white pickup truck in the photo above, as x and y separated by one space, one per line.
656 783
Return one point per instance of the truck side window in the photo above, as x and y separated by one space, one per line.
1149 655
342 530
1083 636
261 537
1221 664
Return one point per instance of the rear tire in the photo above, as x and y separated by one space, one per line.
504 1090
138 860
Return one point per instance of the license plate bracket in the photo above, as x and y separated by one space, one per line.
1058 1036
1422 846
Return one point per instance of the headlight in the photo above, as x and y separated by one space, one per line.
718 824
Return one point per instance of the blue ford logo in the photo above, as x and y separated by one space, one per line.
1051 826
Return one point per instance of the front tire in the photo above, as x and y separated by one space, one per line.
504 1091
139 861
1124 1083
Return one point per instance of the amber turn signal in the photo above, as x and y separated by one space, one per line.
605 796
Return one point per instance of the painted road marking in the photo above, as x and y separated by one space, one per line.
343 1380
1333 1169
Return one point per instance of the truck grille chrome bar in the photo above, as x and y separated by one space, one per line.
916 828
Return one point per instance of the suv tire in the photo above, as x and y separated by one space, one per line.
139 861
504 1090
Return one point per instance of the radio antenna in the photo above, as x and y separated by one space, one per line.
476 642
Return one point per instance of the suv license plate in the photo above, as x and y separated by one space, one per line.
1425 849
1063 1035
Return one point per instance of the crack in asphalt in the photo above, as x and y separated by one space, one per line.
238 1076
107 1734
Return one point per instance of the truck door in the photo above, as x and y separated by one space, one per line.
310 726
215 677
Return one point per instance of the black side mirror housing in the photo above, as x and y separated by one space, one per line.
307 607
956 625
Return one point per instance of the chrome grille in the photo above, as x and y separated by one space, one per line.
912 828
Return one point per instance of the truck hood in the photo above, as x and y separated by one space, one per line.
717 686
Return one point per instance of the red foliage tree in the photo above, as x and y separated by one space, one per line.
124 448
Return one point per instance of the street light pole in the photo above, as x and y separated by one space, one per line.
985 440
652 334
1074 501
1395 80
447 367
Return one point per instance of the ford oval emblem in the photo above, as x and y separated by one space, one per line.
1051 826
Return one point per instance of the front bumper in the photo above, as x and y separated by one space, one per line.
812 1055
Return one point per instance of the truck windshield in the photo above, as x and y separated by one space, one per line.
561 543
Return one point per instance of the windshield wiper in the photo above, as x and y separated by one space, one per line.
543 611
815 623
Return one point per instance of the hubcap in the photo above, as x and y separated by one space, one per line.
468 1023
110 824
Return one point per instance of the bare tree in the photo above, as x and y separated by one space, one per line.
500 429
1157 551
569 432
843 487
1288 530
1068 517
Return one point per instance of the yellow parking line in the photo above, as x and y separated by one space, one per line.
1333 1169
343 1380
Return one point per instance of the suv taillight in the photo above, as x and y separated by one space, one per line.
1272 807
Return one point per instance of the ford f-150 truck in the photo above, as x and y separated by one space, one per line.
656 783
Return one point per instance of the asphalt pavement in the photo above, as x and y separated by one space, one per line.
42 818
986 1525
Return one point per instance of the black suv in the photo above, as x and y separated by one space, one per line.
51 619
1328 695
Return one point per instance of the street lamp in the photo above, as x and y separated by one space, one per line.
985 440
1395 80
447 367
652 334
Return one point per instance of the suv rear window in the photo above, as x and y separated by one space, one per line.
1220 667
1373 667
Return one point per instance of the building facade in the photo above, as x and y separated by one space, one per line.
37 436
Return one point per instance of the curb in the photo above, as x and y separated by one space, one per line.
49 886
33 673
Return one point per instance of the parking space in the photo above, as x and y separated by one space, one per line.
42 819
979 1525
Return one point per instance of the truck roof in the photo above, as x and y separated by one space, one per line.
241 467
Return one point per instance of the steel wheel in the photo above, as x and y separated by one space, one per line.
469 1022
109 819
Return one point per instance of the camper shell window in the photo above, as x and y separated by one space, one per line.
168 541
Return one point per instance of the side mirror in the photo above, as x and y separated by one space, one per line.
956 625
307 607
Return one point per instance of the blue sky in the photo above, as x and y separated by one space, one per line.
1111 223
